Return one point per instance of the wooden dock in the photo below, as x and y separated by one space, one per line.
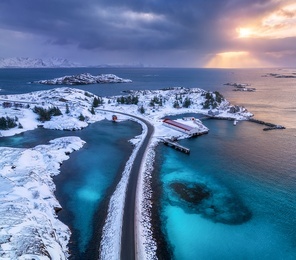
176 146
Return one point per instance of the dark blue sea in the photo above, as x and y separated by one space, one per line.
233 197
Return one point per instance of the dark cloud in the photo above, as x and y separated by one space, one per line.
195 26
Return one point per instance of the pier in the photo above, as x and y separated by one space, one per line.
176 146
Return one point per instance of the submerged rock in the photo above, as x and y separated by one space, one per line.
193 193
216 204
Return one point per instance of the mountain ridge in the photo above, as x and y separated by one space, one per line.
25 62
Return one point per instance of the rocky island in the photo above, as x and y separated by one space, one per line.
281 76
84 79
241 87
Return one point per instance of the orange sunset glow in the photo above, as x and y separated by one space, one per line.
279 24
239 59
275 25
229 33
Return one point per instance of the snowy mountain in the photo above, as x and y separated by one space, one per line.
20 62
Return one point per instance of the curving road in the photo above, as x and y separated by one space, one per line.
128 248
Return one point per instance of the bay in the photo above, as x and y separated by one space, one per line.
253 169
244 169
88 176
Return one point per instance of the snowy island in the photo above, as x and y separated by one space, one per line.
29 224
84 79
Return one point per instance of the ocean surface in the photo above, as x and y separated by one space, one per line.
233 197
251 178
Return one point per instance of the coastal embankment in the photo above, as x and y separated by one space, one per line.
270 126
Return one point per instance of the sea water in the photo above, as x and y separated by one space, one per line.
14 81
251 178
99 163
233 197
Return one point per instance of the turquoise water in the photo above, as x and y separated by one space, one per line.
239 201
86 177
88 174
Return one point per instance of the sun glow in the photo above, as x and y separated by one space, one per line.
280 23
244 32
235 59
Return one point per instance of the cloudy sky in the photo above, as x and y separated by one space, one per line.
176 33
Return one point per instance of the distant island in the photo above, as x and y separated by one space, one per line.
279 76
240 87
84 79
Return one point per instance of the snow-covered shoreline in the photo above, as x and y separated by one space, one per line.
145 243
78 110
74 102
29 223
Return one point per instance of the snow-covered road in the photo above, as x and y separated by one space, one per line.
128 237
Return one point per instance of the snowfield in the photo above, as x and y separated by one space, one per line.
29 227
29 224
